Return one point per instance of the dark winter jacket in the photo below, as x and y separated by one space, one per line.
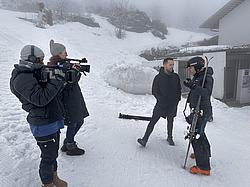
72 98
205 92
167 91
40 100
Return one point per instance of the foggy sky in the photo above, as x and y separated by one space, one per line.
181 13
188 14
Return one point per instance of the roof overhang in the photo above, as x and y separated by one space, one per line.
200 52
213 21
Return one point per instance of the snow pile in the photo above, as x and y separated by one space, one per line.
204 48
131 78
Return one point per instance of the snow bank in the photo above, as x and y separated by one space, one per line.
131 78
204 48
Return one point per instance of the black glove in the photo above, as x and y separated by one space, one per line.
189 119
189 83
65 66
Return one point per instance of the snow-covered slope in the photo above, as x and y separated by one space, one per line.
112 157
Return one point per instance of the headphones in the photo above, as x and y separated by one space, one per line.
32 58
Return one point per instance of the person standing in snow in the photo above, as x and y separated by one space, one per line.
45 115
167 91
201 144
72 98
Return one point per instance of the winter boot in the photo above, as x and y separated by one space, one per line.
142 142
210 119
58 182
64 148
197 170
170 141
73 150
192 156
48 185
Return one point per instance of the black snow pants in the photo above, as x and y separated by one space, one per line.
201 145
49 146
155 117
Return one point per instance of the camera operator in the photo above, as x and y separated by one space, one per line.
74 105
45 115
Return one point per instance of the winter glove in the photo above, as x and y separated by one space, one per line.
65 66
189 83
189 119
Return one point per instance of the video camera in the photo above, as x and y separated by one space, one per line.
82 68
65 70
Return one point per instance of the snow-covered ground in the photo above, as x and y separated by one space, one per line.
113 158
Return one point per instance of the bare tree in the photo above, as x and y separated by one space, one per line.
119 14
61 8
66 9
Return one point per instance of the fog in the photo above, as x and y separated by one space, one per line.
188 14
181 13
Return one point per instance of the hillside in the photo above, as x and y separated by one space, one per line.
113 158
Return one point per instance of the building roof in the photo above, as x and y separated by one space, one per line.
213 21
200 50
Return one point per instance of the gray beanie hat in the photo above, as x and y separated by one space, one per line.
26 52
56 48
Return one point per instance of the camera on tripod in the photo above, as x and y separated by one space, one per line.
65 70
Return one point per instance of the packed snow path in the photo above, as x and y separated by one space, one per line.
113 158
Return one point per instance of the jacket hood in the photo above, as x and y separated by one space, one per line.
210 71
25 67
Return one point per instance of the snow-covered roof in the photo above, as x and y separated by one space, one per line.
204 48
199 50
213 21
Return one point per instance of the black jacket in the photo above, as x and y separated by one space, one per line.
167 91
74 104
205 92
40 100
